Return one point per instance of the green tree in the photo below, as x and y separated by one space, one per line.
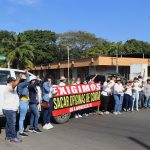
133 45
79 42
44 42
18 52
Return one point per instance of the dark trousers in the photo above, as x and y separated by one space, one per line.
10 127
105 102
47 113
111 103
128 101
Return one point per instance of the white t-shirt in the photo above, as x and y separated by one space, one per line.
128 90
118 89
62 84
11 98
136 87
106 89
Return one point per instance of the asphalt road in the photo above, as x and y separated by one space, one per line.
129 131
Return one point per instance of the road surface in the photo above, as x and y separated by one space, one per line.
128 131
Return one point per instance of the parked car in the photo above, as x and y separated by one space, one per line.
5 73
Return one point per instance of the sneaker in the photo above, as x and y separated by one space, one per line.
50 126
37 130
31 130
76 116
79 116
16 140
100 113
86 114
23 134
106 112
45 126
115 113
119 113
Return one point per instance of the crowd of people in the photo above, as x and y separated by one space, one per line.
26 94
22 95
118 97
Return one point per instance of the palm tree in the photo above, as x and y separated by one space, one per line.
18 52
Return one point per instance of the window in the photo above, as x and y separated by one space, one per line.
4 75
17 73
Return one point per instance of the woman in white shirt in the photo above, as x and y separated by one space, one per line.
136 90
128 96
106 95
118 96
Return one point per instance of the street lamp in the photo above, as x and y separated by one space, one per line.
68 63
117 70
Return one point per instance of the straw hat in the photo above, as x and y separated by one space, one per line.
62 78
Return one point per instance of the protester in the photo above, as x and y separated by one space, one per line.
78 113
106 95
48 92
33 104
23 93
73 81
147 94
10 107
85 111
92 79
78 81
128 96
136 88
118 96
62 81
112 101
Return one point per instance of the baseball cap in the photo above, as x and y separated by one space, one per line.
32 78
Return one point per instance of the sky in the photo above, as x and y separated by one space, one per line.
113 20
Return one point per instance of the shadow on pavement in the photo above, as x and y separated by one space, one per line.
140 143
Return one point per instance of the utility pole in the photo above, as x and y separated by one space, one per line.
117 70
68 49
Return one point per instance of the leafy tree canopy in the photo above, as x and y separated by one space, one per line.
35 47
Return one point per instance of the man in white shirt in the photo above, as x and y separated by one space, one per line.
10 107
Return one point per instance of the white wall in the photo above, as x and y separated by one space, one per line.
138 69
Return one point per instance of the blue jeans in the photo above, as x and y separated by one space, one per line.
23 108
118 102
10 127
47 113
147 101
128 101
141 99
34 116
135 100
